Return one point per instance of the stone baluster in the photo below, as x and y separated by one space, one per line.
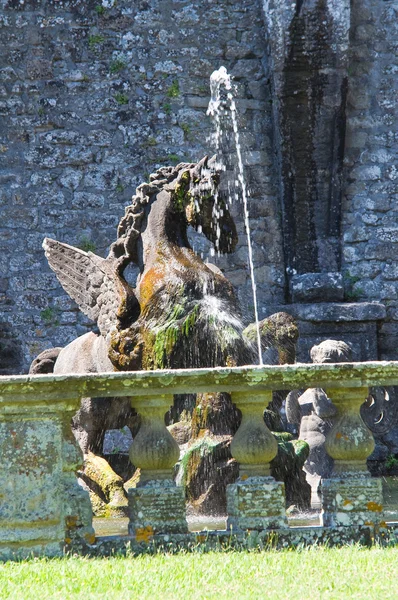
156 504
256 500
350 496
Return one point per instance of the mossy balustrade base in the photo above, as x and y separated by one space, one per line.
206 541
43 511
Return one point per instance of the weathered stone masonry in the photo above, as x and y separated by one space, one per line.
95 98
95 95
370 217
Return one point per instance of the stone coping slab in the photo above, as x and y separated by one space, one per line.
334 312
27 390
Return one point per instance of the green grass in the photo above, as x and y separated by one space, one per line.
174 90
167 108
95 40
117 65
170 158
121 98
87 245
316 573
50 316
186 129
391 462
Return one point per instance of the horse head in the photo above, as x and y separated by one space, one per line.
193 198
205 208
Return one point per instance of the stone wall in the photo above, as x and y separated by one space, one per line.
370 213
94 95
335 114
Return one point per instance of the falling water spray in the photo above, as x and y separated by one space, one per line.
219 78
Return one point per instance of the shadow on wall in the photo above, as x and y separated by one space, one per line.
10 351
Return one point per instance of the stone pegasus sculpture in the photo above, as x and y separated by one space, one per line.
181 313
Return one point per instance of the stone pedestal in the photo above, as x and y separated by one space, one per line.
351 501
42 507
256 503
256 500
350 496
156 505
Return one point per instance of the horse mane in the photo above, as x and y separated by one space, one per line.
130 225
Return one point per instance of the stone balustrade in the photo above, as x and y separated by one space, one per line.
43 509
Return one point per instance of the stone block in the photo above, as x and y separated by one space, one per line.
366 173
41 504
362 338
351 501
117 440
32 452
247 68
338 312
38 68
317 287
256 503
31 502
380 250
197 101
157 507
256 157
354 323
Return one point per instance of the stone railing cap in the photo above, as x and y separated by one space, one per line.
33 388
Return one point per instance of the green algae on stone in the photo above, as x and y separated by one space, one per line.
161 341
105 487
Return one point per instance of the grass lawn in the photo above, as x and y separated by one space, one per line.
349 572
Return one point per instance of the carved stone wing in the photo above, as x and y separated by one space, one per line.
93 283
